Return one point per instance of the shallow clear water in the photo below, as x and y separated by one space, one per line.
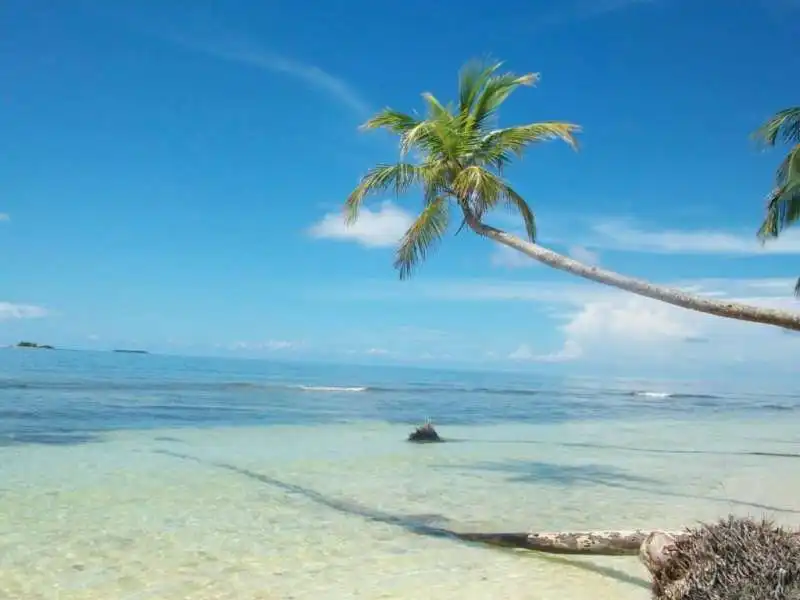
146 477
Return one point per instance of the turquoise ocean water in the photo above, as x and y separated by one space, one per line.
149 477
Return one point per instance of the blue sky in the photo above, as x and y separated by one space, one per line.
173 172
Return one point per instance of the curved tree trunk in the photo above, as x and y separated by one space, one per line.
604 543
651 546
720 308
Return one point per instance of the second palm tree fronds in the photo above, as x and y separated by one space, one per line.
783 203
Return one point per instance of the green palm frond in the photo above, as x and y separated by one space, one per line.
486 191
392 120
425 231
379 180
783 210
789 169
496 91
783 204
435 180
498 146
783 126
516 203
428 137
477 189
471 80
436 110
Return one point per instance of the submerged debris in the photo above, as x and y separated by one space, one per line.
424 433
733 559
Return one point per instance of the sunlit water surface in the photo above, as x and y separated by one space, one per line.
145 477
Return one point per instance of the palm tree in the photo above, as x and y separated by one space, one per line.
783 203
461 158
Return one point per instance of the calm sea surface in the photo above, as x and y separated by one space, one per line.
149 477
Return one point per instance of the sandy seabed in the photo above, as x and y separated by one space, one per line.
334 511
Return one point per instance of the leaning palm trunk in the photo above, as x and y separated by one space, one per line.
462 160
720 308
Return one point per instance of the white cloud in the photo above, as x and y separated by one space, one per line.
573 291
570 351
508 258
248 52
374 228
504 257
602 325
5 217
627 327
377 352
584 255
9 310
628 317
271 345
622 235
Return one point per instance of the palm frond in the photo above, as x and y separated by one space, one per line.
494 92
797 288
436 110
435 180
789 169
477 190
783 210
391 120
497 146
517 203
783 126
471 79
783 204
381 179
428 137
425 231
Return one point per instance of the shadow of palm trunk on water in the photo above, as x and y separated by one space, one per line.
537 472
638 449
411 523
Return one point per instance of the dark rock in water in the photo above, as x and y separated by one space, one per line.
734 559
424 433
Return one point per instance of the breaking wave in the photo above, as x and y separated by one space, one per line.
255 386
677 396
330 388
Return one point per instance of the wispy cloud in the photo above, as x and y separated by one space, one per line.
507 258
269 345
584 255
377 352
378 228
570 351
601 324
5 217
574 291
624 235
9 311
583 10
248 52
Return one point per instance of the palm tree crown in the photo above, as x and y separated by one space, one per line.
461 155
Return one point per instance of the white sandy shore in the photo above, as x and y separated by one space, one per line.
312 512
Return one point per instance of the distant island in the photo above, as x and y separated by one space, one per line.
124 351
35 345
